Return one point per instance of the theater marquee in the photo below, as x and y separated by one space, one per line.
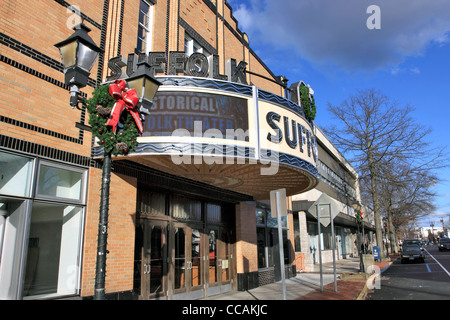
229 135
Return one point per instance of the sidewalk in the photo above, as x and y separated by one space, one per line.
306 285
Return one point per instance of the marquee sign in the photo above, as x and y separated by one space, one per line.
218 130
173 110
196 65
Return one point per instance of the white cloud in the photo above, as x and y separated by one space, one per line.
334 33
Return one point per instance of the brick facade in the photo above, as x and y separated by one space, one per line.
36 117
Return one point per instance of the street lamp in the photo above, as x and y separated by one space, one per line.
78 54
357 207
145 84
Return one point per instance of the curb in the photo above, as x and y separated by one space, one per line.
363 294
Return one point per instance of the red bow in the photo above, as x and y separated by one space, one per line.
126 99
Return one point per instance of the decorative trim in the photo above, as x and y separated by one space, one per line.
81 14
196 36
285 103
119 40
41 130
39 150
52 81
290 160
104 27
232 87
36 55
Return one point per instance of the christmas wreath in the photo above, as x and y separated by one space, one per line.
309 105
113 117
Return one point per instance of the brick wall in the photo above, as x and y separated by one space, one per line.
246 252
121 230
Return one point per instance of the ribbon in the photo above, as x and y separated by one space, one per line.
126 99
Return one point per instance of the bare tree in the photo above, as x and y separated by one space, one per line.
375 133
407 195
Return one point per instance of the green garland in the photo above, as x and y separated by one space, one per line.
309 106
99 108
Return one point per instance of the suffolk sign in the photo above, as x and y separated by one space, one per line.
196 65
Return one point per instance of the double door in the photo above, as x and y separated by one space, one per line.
183 261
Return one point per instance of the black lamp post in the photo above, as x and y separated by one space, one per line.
78 53
357 207
146 86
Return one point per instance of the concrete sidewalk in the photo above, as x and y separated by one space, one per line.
306 285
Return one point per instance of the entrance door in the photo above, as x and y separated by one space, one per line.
219 262
152 265
188 262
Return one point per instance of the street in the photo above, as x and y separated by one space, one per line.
416 280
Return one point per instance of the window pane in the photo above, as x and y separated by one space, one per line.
186 209
196 259
151 202
261 240
143 13
156 260
61 183
212 256
180 257
53 250
297 241
213 213
15 175
260 216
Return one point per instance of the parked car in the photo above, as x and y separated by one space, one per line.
412 252
413 241
444 244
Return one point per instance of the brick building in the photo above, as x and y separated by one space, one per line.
189 214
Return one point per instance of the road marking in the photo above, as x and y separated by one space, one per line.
448 273
428 267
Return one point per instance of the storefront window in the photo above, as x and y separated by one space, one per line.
57 182
15 175
40 242
297 242
53 258
261 239
267 238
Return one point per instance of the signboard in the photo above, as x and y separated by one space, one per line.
286 132
328 209
173 110
278 200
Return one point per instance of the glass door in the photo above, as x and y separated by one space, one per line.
213 262
225 258
152 266
196 266
187 249
219 261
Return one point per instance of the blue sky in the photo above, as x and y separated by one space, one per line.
327 44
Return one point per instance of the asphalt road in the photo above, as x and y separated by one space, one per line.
416 280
